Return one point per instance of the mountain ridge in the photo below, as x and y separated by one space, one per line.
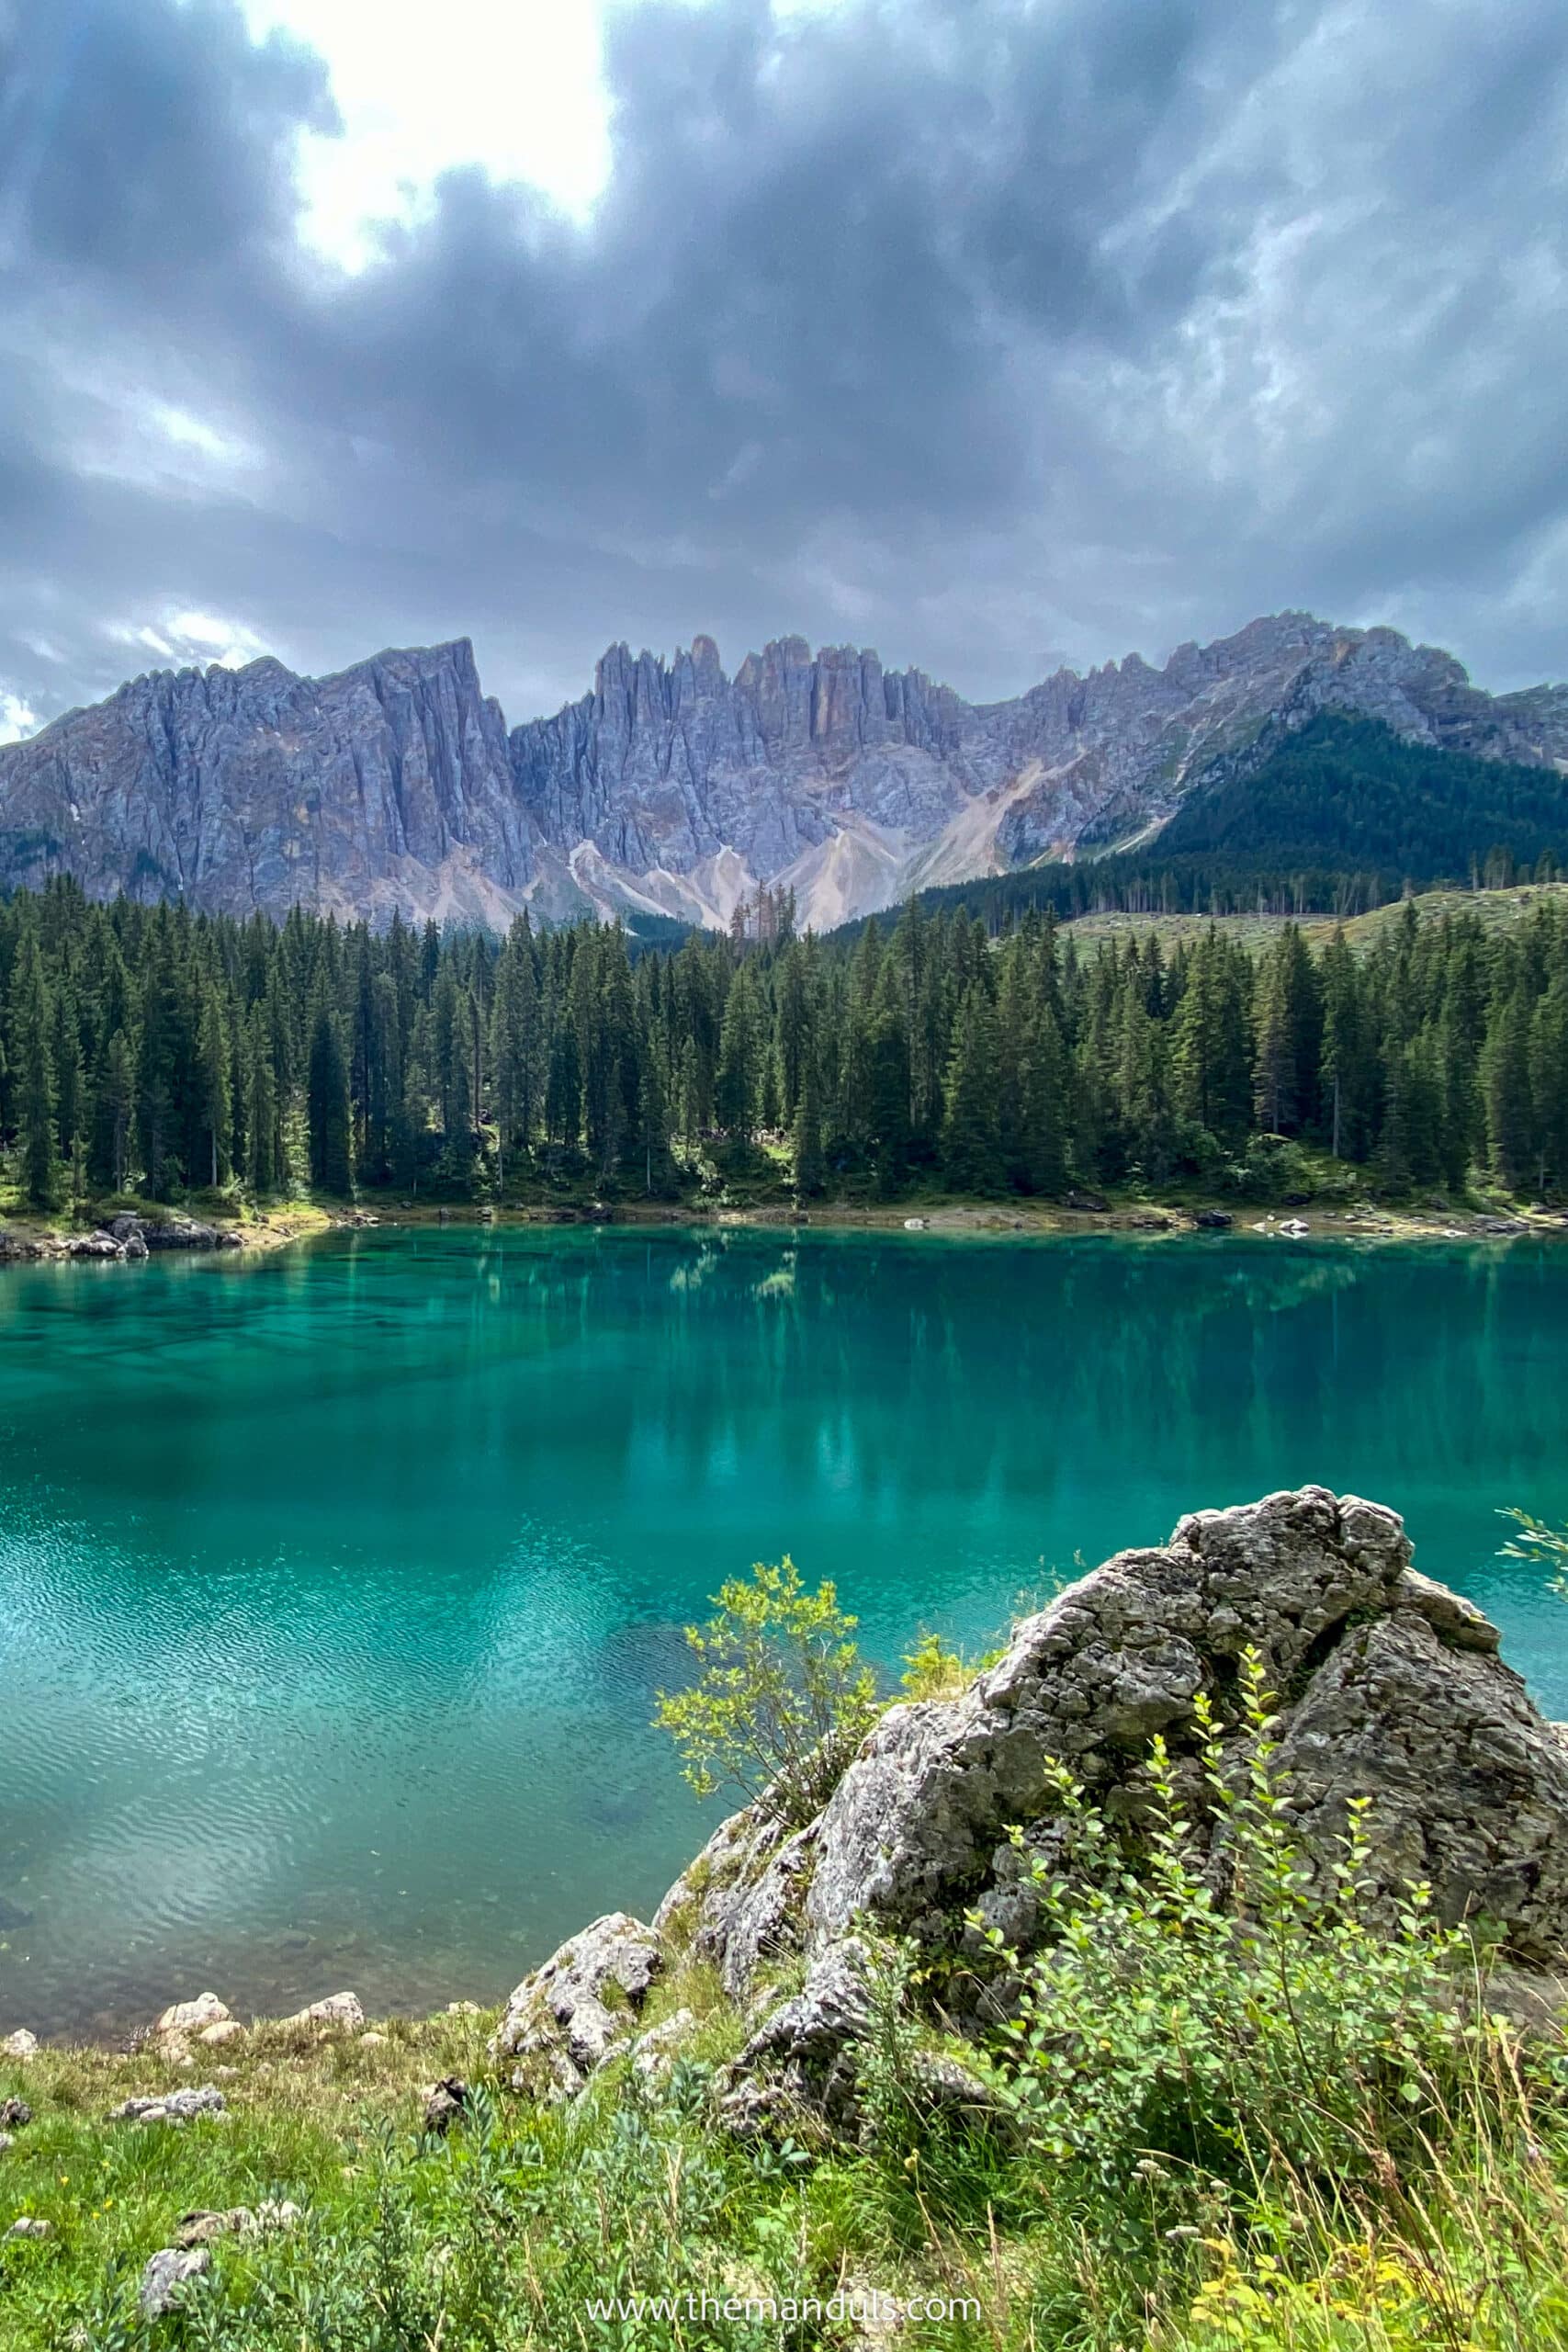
671 787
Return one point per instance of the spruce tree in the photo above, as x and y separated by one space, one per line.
331 1166
971 1144
810 1164
1549 1084
1505 1089
33 1022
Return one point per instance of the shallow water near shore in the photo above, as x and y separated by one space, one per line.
336 1585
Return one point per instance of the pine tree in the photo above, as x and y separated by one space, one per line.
887 1079
1549 1084
210 1093
739 1056
810 1166
116 1109
331 1166
1506 1088
33 1022
265 1171
70 1109
1343 1062
972 1158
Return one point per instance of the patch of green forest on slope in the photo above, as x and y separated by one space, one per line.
1343 816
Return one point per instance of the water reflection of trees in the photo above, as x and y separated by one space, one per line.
909 1368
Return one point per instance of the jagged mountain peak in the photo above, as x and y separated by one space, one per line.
672 785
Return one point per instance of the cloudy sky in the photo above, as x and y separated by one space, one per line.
991 333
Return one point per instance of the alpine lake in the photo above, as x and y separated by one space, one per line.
337 1584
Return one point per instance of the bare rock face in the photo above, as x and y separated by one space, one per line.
389 784
801 2058
673 787
1388 1687
564 2020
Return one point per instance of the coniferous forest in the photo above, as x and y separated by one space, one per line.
147 1049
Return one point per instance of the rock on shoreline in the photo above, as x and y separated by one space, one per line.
126 1239
1389 1688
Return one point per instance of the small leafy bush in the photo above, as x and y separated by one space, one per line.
784 1696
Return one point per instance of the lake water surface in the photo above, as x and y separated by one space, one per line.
336 1585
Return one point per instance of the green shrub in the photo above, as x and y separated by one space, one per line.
785 1695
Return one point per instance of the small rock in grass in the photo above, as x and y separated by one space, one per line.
448 2102
192 2017
20 2044
236 2222
464 2009
173 2106
29 2225
6 2141
341 2010
14 2113
168 2274
654 2052
373 2042
220 2030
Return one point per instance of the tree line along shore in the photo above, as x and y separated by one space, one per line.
148 1051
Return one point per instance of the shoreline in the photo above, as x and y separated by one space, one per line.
35 1241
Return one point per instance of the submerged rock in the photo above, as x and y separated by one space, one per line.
564 2020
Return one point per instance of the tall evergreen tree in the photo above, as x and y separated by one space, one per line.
972 1154
331 1166
33 1025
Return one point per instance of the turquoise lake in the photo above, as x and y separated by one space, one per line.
336 1585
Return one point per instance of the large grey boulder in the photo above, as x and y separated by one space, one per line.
567 2018
912 1831
1388 1688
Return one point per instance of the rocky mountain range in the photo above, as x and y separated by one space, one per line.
673 788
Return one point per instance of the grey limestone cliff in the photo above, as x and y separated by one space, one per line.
674 787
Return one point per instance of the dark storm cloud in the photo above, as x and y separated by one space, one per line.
965 327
